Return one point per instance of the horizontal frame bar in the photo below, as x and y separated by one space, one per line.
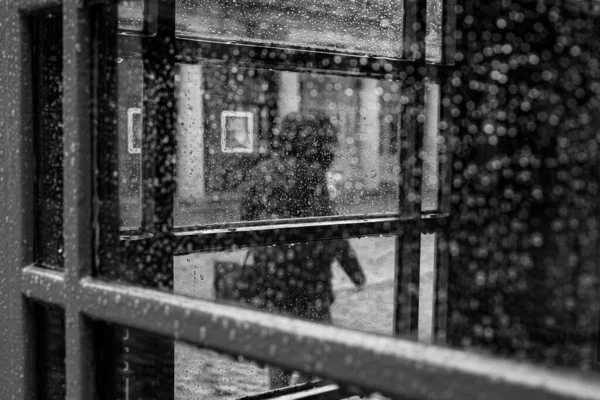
347 219
298 59
33 6
315 390
235 236
223 239
375 363
43 284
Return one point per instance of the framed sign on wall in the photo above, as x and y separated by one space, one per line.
237 131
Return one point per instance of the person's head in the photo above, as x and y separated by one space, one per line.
310 136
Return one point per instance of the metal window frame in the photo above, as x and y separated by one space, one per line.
369 362
396 367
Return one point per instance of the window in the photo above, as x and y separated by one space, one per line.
225 180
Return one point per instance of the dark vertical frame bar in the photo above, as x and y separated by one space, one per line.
148 134
103 37
28 130
29 366
411 18
451 114
17 199
45 323
78 196
441 288
596 322
158 147
159 105
448 31
411 142
104 84
447 130
441 75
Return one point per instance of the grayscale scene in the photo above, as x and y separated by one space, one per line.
269 199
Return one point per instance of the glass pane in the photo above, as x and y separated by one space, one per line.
433 38
131 16
204 374
130 86
47 76
357 26
260 144
349 283
522 246
136 364
430 152
427 288
133 364
49 326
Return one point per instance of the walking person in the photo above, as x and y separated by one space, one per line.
295 279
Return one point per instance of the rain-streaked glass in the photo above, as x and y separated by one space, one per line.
427 288
518 250
433 31
201 373
146 365
48 141
430 152
358 26
347 283
50 349
130 83
522 233
131 15
213 175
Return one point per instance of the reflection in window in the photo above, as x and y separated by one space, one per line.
361 112
349 284
522 234
364 113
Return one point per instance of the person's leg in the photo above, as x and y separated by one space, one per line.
316 311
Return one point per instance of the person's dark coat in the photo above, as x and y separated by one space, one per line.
296 278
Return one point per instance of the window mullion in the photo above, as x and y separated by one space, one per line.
334 353
105 127
159 106
408 242
78 194
449 17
